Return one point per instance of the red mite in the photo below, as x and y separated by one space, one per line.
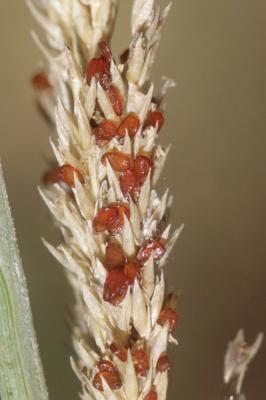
99 68
67 173
132 270
122 209
114 256
132 179
119 161
154 118
167 314
40 81
109 372
155 245
106 53
111 218
141 362
152 395
163 364
51 176
115 287
142 166
119 351
105 132
116 99
104 219
129 184
130 124
106 365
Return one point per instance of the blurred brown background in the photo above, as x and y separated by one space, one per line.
215 50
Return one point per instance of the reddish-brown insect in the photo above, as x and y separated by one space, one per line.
130 124
113 381
142 166
119 161
99 69
114 256
109 372
51 176
40 81
122 209
111 218
106 53
132 270
67 173
154 118
105 132
152 395
141 362
119 351
105 218
169 315
163 364
129 184
115 287
116 99
106 365
156 246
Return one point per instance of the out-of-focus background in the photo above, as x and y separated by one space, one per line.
216 121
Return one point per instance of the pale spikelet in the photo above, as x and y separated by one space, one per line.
120 334
74 24
237 359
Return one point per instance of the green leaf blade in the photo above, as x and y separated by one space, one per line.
21 374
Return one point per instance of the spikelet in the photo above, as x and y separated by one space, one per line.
78 25
237 359
116 237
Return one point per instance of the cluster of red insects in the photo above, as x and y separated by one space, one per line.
99 69
110 373
121 272
140 357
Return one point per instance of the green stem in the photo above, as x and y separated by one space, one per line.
21 374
